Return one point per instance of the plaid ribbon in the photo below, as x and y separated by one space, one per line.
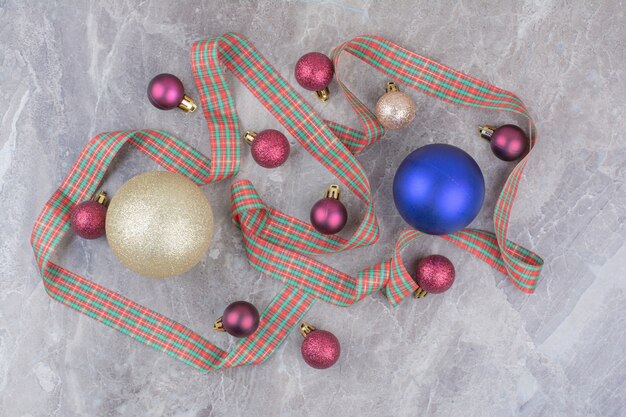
277 244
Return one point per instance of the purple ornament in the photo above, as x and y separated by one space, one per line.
240 319
166 91
435 274
270 148
88 219
314 71
320 349
509 142
329 215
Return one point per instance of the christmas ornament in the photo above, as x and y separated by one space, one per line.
435 274
240 319
394 109
314 71
166 91
329 215
159 224
508 142
88 218
320 348
269 148
438 189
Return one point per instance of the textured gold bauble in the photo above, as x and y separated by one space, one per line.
159 224
395 110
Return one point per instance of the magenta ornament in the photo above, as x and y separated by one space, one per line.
269 148
329 215
508 142
166 92
435 274
320 348
314 71
240 319
88 219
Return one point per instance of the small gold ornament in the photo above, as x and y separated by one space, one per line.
395 110
159 224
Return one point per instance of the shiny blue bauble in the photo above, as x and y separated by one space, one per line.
438 189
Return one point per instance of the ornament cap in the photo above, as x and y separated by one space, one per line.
101 198
420 293
323 95
333 192
486 131
187 105
218 326
250 136
306 328
391 86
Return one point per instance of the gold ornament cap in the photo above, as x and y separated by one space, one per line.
219 325
101 198
324 94
250 136
420 293
333 192
306 328
391 86
187 104
486 131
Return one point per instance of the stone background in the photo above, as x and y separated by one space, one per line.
69 70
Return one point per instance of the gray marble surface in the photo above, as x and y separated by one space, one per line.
69 70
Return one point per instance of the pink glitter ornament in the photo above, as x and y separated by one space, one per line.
88 218
269 148
435 274
314 71
320 348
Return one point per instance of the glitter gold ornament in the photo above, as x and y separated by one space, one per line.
395 110
159 224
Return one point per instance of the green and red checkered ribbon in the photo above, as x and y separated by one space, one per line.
279 245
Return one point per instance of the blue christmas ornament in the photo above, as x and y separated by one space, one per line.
438 189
